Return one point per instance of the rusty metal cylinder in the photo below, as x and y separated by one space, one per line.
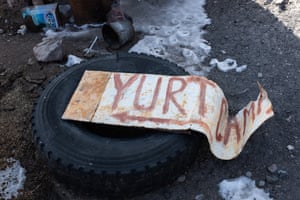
118 33
90 11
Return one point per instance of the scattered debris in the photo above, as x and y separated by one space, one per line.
282 173
290 147
12 179
273 168
38 16
68 34
73 60
289 118
50 49
181 179
22 30
88 50
227 65
241 188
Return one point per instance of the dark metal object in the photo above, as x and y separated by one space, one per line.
118 33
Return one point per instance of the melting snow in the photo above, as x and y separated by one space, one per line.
73 60
241 188
11 179
227 65
173 30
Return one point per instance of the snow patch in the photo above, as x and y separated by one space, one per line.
12 179
172 30
73 60
241 188
227 65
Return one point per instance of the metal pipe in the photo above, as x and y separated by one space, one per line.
118 33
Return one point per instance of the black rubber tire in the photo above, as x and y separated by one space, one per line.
108 160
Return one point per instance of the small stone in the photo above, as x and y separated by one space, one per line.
272 179
289 118
181 179
282 173
22 30
292 156
50 49
3 72
30 61
261 183
259 75
290 147
199 197
272 168
1 31
249 174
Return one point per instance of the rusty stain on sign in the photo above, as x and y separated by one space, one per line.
168 102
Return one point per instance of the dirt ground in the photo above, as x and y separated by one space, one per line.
263 34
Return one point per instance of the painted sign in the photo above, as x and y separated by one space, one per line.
168 102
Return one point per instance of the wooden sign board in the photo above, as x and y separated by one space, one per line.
167 102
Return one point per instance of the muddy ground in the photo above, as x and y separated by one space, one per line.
265 35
